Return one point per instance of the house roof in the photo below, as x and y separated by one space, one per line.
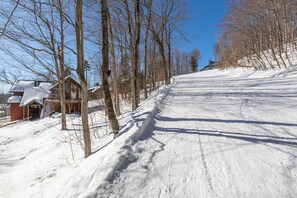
14 99
20 85
31 92
36 94
93 89
68 77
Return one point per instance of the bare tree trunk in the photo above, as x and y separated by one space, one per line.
134 49
145 48
164 62
104 69
153 65
145 66
80 73
169 53
114 71
61 51
59 59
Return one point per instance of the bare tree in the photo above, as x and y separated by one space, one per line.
134 31
9 18
147 31
80 72
105 68
9 77
258 34
114 69
41 36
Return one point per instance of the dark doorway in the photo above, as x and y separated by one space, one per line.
34 111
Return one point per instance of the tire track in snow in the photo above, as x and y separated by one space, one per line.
226 168
208 177
168 176
202 155
168 186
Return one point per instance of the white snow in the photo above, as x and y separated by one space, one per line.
14 99
216 133
37 154
267 58
20 85
94 89
37 94
31 93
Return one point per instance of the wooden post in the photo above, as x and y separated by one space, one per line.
28 111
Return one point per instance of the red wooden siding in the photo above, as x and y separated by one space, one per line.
16 112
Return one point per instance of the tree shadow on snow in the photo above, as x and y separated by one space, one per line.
168 119
239 136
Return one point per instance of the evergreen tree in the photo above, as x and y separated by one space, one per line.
194 58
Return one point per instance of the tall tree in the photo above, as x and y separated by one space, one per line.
134 31
42 38
114 69
105 68
148 24
80 72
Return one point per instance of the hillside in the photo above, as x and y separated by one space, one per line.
217 133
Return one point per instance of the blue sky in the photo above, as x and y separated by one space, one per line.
202 27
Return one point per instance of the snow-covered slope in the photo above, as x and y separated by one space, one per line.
219 134
36 154
229 133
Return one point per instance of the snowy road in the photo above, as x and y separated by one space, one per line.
217 136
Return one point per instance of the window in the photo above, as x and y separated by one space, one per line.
73 91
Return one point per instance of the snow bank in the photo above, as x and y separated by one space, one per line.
246 73
267 58
99 169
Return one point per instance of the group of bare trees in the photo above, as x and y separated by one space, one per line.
258 33
133 38
184 63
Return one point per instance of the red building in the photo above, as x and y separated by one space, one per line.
73 97
38 99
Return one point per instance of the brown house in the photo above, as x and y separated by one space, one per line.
73 97
38 99
95 93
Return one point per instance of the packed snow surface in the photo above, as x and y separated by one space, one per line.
216 133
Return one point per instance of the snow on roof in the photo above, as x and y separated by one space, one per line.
74 78
36 94
66 78
93 89
20 85
14 99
